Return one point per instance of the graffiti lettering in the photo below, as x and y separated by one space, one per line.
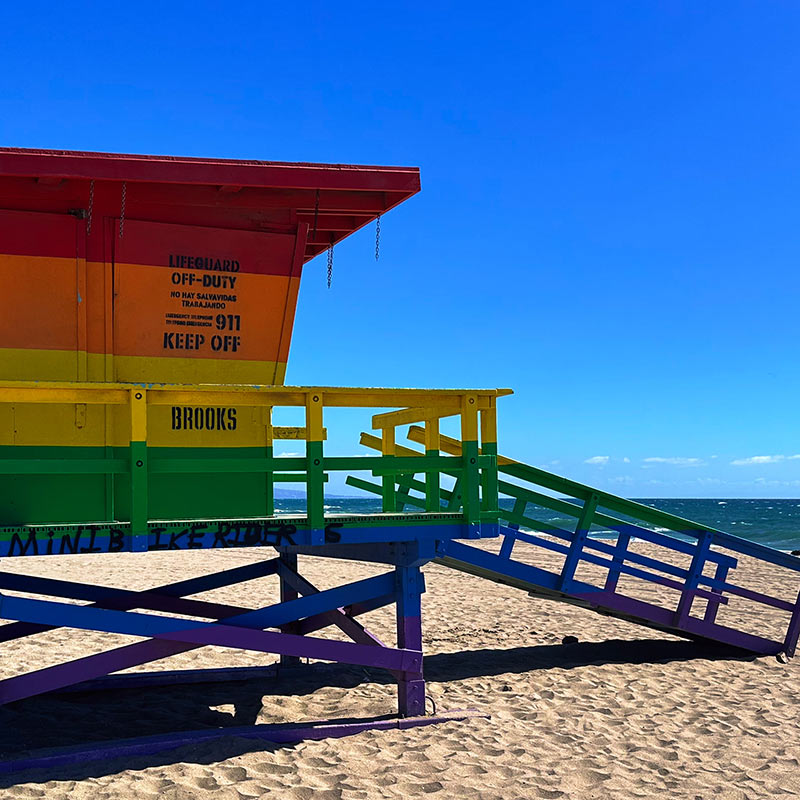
110 539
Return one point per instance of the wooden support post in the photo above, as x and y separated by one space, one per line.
411 684
288 592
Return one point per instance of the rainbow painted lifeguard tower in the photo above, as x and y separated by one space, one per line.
147 311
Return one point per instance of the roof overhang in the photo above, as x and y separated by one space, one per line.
334 199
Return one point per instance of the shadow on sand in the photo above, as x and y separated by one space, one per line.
44 724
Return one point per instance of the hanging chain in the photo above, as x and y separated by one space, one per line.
122 210
330 262
316 213
377 237
91 208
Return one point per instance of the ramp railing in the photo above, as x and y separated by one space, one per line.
614 549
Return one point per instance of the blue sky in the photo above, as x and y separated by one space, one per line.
609 215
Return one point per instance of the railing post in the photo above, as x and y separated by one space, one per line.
470 487
489 482
315 483
692 579
576 545
514 520
515 516
138 462
720 574
612 579
507 547
388 450
432 479
455 496
269 452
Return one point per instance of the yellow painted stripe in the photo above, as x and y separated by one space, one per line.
50 365
138 409
152 369
64 365
110 426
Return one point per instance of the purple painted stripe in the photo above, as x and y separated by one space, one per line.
410 632
151 745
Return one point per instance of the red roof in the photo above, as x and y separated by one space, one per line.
334 199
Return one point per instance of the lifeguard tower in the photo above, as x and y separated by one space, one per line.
146 320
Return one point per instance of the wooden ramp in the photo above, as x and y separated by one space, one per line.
611 554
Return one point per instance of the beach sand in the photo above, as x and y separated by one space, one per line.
624 713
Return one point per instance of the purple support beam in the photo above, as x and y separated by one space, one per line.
793 632
79 670
174 677
198 634
184 635
152 745
356 631
157 599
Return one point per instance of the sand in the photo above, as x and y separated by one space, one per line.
624 713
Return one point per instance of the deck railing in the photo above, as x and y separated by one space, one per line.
476 410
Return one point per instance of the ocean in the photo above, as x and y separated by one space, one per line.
775 523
